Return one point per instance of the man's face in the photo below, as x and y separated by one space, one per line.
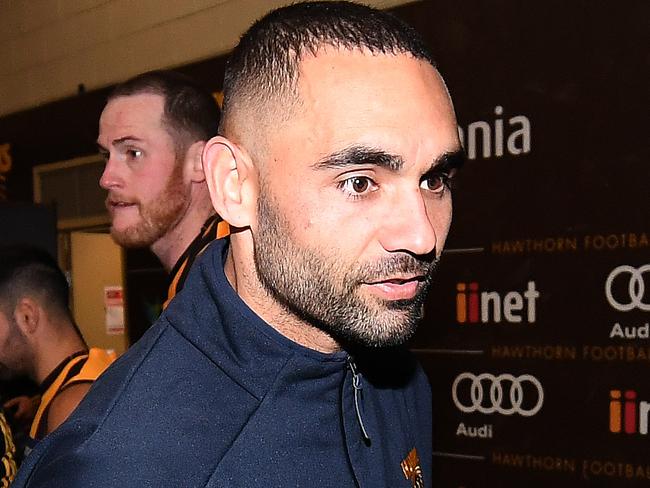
147 191
12 348
353 209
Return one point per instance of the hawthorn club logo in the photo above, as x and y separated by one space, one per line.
412 469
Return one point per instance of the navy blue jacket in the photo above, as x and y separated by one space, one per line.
212 396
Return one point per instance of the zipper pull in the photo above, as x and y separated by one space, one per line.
356 384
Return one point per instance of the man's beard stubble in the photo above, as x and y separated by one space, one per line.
17 358
158 216
323 291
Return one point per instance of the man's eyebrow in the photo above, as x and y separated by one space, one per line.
360 155
119 142
364 155
449 161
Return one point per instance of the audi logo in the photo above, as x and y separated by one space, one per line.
635 288
484 393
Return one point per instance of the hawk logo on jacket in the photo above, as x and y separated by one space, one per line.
412 469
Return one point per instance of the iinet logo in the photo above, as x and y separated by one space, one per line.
626 415
473 306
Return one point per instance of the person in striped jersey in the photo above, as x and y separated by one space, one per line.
40 339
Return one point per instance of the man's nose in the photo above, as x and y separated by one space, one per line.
408 227
111 177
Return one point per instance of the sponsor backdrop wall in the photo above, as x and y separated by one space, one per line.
536 336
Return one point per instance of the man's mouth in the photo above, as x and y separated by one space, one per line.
115 205
397 288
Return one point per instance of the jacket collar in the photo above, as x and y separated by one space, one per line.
209 313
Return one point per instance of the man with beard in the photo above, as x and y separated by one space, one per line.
39 338
152 132
281 364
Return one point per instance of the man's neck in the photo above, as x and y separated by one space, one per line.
53 351
172 245
269 310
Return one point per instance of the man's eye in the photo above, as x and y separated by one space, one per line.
358 185
435 183
134 153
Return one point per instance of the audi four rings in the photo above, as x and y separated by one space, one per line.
635 287
477 385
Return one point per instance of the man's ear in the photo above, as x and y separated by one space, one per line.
27 315
230 176
194 163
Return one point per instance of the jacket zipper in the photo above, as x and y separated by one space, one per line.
356 384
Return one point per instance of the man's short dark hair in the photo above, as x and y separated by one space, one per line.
264 65
190 112
29 271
